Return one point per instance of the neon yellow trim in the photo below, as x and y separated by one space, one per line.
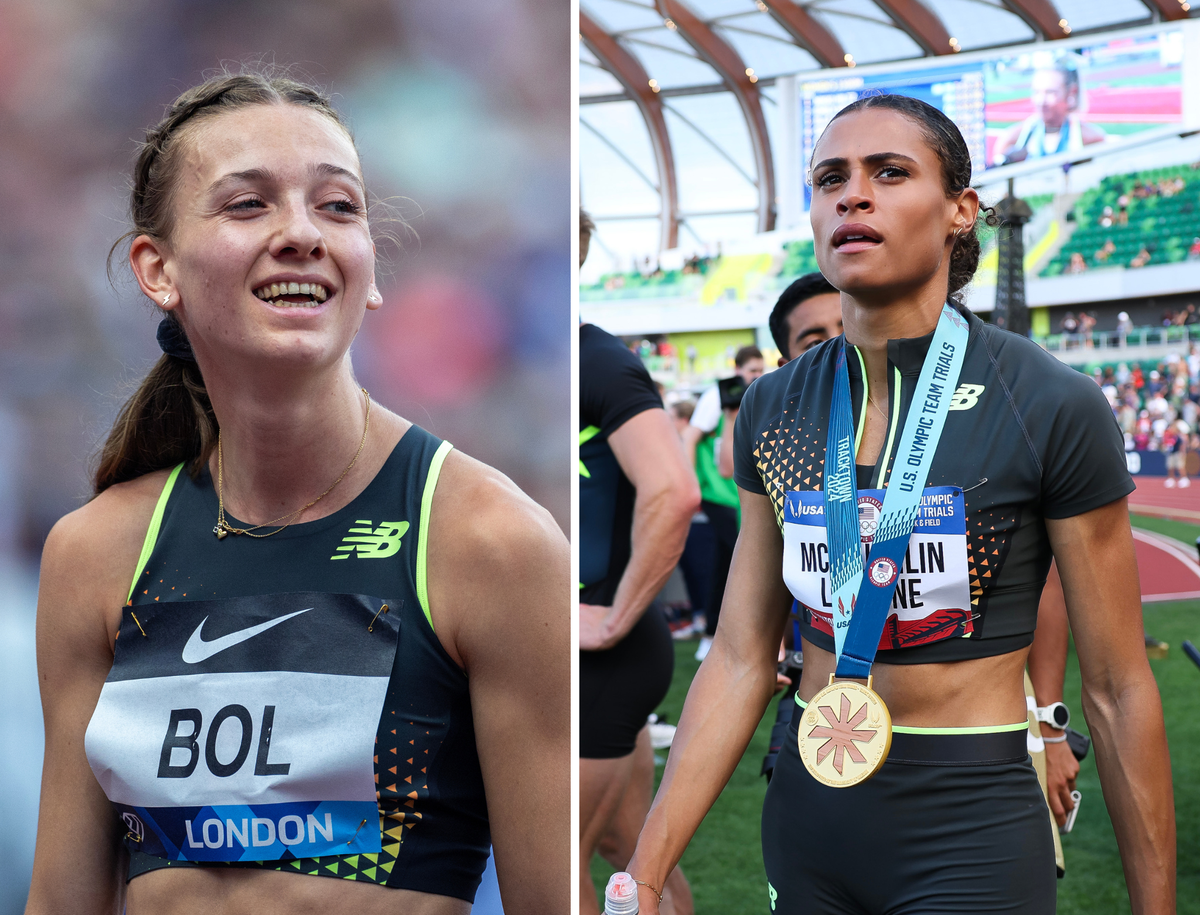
862 411
990 729
152 531
585 436
987 729
435 468
887 452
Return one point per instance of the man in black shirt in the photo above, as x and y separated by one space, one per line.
637 496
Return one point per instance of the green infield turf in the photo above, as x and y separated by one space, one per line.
724 861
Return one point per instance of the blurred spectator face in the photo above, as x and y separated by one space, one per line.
264 194
1051 98
813 321
752 369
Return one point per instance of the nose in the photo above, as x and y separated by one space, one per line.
856 194
298 234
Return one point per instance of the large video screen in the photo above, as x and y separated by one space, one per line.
1025 104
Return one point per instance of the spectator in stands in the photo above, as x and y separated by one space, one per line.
1194 250
1055 125
1087 323
703 443
1123 210
1106 218
1070 325
1076 265
1105 251
1124 328
1175 442
1141 259
808 312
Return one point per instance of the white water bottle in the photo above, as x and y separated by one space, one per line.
620 896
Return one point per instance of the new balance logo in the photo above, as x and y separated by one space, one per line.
367 542
966 396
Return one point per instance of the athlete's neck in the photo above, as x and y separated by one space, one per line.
283 448
869 325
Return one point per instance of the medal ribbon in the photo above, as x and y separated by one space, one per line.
861 602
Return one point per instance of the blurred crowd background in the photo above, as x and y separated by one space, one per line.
461 113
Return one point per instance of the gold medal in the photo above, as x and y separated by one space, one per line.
845 733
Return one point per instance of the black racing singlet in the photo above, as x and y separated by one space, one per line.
261 695
1026 439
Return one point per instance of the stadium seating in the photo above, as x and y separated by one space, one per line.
1166 225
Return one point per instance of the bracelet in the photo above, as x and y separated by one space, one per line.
650 887
1054 739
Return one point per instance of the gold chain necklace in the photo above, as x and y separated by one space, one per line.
223 528
878 409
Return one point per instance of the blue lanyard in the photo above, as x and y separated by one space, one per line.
863 596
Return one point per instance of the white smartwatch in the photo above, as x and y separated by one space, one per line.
1055 714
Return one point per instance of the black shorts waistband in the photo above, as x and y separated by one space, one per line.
957 748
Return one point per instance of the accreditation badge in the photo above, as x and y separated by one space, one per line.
845 733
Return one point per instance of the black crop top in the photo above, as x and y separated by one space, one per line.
1026 439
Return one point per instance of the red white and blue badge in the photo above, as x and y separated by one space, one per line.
882 572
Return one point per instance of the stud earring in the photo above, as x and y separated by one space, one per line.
166 300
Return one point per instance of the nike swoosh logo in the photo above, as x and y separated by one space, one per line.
197 650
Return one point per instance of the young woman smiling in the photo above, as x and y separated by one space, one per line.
293 634
948 816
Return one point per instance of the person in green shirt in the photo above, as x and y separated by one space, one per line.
718 493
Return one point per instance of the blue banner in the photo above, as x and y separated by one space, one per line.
257 832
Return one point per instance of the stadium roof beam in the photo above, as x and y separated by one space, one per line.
807 32
741 80
921 23
1168 9
1041 16
630 73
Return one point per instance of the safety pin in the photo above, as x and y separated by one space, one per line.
982 480
139 625
360 825
371 628
134 838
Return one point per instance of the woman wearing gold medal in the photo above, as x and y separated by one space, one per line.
911 482
294 636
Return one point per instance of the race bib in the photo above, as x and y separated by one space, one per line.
244 729
932 600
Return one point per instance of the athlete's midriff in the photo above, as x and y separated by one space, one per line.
982 692
234 891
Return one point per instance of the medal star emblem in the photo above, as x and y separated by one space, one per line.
842 733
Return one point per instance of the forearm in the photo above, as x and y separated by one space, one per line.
1135 774
660 528
1048 654
724 705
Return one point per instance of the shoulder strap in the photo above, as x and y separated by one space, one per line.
152 531
431 478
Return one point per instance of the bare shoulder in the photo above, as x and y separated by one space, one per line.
487 514
497 559
90 554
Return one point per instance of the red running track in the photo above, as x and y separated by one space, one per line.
1168 569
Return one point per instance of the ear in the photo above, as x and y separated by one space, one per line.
148 259
966 211
374 297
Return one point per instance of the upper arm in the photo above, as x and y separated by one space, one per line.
754 611
87 564
1095 557
500 590
649 452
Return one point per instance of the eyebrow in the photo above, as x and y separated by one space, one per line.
323 170
813 329
872 159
